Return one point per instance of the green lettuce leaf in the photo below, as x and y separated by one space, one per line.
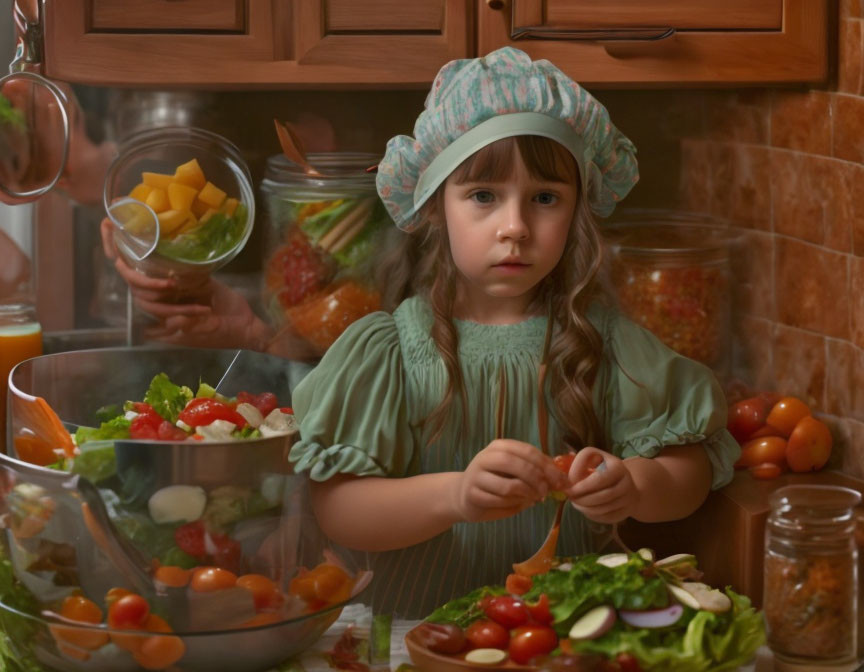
464 610
218 235
97 461
11 116
166 398
118 428
17 633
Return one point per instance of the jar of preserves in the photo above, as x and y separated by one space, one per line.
322 232
811 576
671 275
20 339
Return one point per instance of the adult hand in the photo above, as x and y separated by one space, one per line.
504 478
607 495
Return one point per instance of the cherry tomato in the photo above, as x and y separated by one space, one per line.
809 445
211 579
786 413
145 426
159 652
508 611
227 552
564 462
766 471
190 539
331 583
539 610
628 662
764 430
264 402
79 608
115 594
517 584
303 586
441 637
530 641
156 623
174 577
760 451
486 634
746 416
265 593
168 432
202 411
129 612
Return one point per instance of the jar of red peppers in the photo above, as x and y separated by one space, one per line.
811 576
671 275
322 232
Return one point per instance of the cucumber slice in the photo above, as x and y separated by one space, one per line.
485 656
594 623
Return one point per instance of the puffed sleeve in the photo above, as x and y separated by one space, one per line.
351 408
654 397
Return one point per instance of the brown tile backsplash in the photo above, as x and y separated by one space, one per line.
850 48
856 301
801 121
848 118
799 364
844 395
798 187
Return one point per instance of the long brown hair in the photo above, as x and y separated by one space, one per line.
421 263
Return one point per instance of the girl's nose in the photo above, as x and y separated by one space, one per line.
513 225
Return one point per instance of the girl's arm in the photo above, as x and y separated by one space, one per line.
667 487
382 514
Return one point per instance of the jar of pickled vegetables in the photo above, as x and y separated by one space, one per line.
811 576
671 275
322 233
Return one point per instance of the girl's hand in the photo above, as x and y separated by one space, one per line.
504 478
605 496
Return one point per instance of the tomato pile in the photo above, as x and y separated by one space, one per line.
685 307
778 433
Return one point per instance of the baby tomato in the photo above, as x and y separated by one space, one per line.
265 593
564 462
211 579
763 450
530 641
159 652
508 611
746 416
766 471
786 413
79 608
129 612
174 577
486 634
809 445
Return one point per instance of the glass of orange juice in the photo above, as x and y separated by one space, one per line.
20 339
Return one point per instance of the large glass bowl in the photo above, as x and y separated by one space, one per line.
204 243
89 530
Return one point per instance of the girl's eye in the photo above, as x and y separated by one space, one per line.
545 198
483 197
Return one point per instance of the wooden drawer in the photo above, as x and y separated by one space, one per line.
168 15
379 16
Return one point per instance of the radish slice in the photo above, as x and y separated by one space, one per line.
678 559
485 656
646 554
684 597
709 599
594 623
612 559
654 618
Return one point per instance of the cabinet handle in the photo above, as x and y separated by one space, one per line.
495 4
552 33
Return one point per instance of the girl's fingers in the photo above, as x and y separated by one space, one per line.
508 487
586 462
164 310
603 497
614 515
542 466
136 279
506 463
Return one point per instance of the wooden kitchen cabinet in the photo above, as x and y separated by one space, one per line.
621 43
255 43
401 43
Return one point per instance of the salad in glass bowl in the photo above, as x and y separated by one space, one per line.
606 613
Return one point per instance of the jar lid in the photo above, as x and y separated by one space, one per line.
817 509
668 236
344 171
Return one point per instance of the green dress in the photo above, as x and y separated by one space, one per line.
360 412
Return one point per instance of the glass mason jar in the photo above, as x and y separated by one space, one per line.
671 274
321 237
20 339
811 575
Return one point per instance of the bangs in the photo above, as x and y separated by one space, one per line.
545 160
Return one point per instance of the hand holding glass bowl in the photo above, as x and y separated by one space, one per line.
181 203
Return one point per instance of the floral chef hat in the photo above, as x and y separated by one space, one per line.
474 102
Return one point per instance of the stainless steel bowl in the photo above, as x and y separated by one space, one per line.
64 533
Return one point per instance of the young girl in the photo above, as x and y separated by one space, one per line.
409 454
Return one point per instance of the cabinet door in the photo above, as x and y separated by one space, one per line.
255 43
660 42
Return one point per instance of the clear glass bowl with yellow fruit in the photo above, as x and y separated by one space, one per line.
181 200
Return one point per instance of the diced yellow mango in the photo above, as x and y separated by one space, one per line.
169 220
181 196
199 208
229 206
207 215
211 195
190 224
158 200
138 224
190 174
141 192
157 180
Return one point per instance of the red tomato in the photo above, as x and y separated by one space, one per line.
563 462
539 610
517 584
765 430
211 579
508 611
628 662
486 634
809 445
168 432
115 594
264 402
767 471
79 608
190 539
531 641
760 451
201 412
746 417
128 613
265 593
145 425
786 413
227 552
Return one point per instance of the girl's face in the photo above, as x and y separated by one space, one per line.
505 237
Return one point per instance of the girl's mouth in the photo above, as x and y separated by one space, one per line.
511 267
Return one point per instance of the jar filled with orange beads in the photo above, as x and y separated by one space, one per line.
20 339
671 274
